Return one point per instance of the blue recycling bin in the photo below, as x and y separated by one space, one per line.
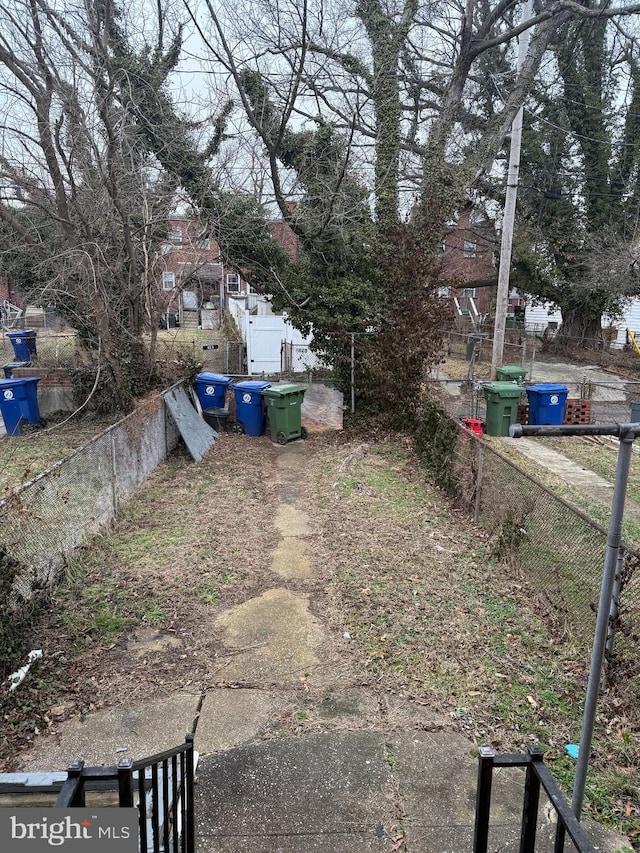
24 344
251 413
19 403
546 403
211 389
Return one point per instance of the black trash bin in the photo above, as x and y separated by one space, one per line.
217 419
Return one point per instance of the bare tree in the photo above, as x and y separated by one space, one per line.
83 207
400 78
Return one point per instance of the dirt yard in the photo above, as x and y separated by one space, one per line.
416 602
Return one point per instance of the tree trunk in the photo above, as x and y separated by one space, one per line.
581 329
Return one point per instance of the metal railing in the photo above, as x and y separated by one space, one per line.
160 787
537 777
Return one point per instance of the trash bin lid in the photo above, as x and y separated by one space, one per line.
213 378
11 383
503 389
511 370
284 390
250 385
22 333
546 388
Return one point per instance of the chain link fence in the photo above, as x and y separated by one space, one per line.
468 368
554 546
44 520
50 349
299 358
206 350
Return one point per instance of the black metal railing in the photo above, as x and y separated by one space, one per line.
168 822
537 776
161 787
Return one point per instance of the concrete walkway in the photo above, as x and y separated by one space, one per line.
376 773
597 488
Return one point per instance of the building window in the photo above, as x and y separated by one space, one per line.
469 249
233 282
443 291
168 280
175 235
202 242
469 292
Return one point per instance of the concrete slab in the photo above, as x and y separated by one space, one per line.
349 704
303 843
290 560
605 386
228 718
458 839
289 457
103 737
330 785
275 635
291 521
422 761
439 816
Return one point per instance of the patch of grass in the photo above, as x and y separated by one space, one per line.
108 623
25 456
210 584
452 627
153 616
599 458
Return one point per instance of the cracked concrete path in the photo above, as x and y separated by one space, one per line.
373 783
376 773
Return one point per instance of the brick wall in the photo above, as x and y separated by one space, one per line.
55 391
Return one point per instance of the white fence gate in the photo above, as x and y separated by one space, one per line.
263 337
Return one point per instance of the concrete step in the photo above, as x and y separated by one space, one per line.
189 320
410 791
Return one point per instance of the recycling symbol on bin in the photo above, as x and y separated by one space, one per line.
209 390
8 394
246 397
18 340
554 399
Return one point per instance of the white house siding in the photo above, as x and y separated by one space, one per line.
538 317
629 320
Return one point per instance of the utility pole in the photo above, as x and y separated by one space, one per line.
509 215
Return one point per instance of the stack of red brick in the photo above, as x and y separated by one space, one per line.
575 412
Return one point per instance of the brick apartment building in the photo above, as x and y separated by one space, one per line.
469 268
194 282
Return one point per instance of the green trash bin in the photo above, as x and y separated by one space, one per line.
511 373
284 412
502 400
